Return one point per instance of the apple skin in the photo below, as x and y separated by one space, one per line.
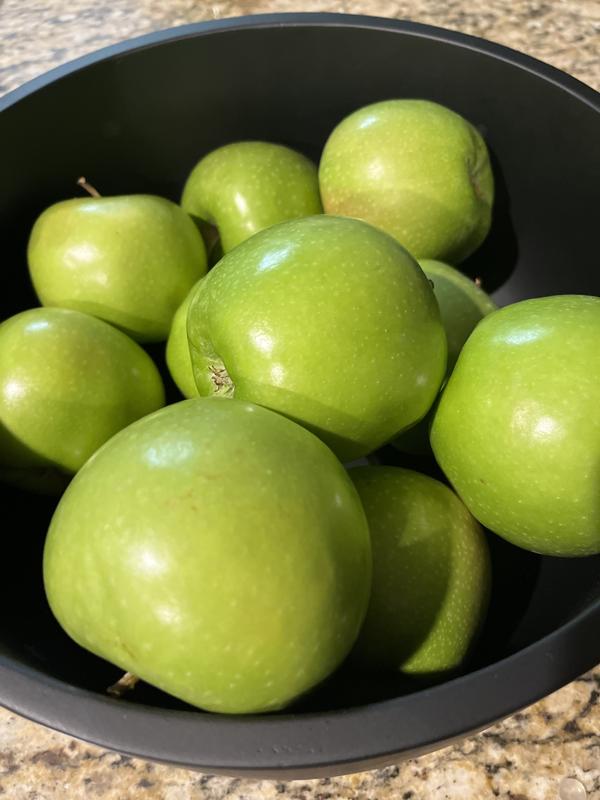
417 170
245 187
129 260
179 360
68 382
326 320
216 550
431 574
517 429
462 305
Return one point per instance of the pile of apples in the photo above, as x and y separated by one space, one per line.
227 548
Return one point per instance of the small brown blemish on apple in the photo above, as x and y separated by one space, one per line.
124 646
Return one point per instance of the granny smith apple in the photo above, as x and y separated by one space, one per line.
216 550
462 304
327 320
517 429
68 382
245 187
417 170
179 360
431 573
129 260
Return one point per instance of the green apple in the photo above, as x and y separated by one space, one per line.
179 360
431 573
462 305
327 320
517 428
417 170
245 187
129 260
68 382
216 550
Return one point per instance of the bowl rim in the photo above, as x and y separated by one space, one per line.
316 743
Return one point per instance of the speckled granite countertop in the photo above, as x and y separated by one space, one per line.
551 751
39 34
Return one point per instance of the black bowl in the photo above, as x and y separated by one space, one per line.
135 118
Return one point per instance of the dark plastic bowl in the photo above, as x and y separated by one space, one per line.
136 117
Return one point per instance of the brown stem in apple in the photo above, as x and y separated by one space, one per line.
125 684
221 380
478 282
88 187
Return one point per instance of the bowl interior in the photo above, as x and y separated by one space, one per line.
137 121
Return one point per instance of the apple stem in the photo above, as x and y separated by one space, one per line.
125 684
88 187
478 282
221 380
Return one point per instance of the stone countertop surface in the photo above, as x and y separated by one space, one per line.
39 34
550 751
